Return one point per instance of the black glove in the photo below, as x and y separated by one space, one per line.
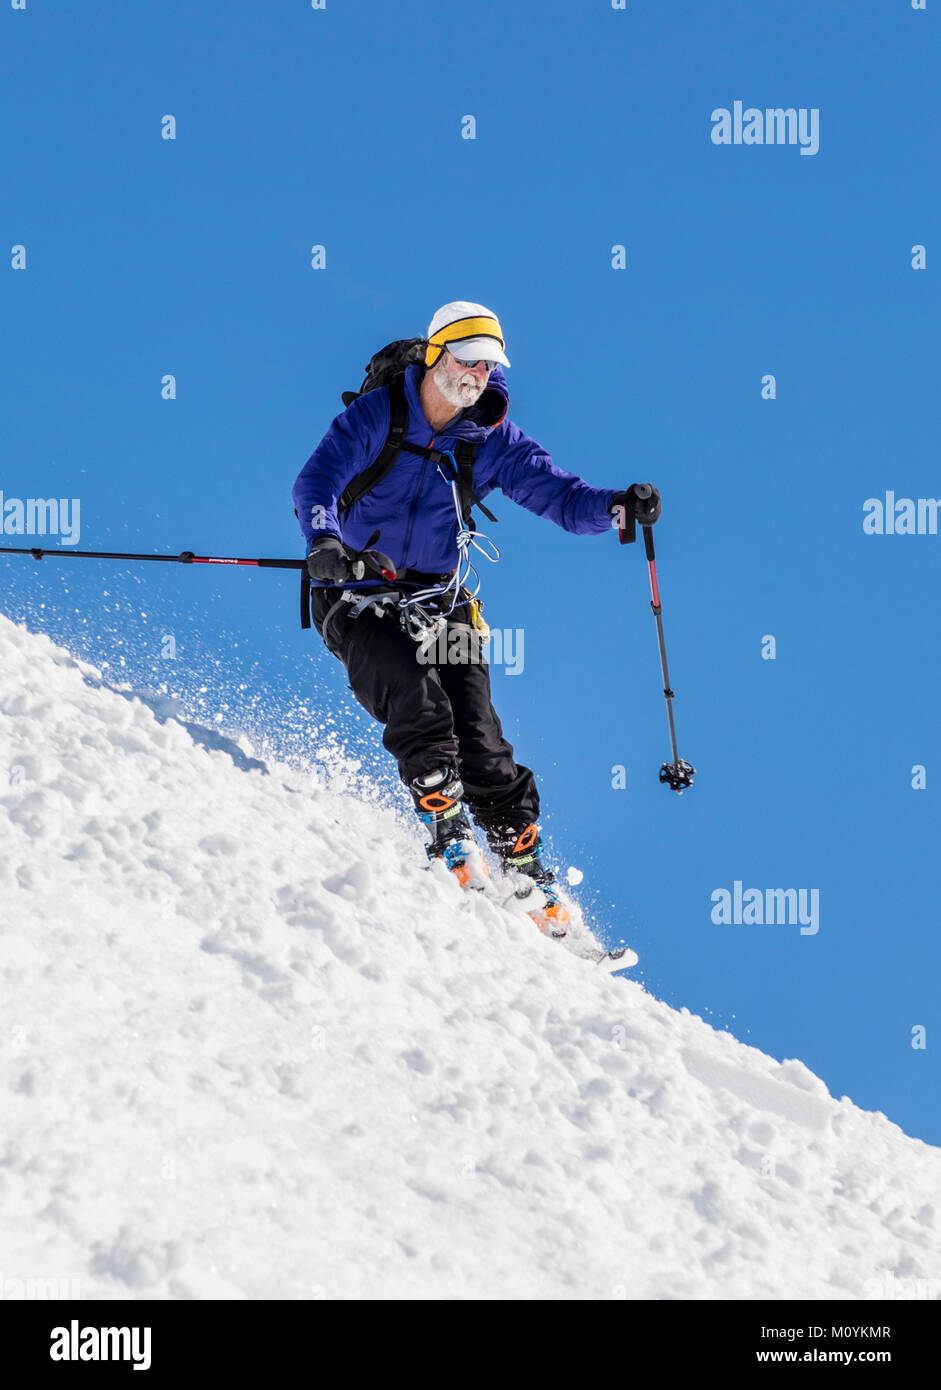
641 502
332 562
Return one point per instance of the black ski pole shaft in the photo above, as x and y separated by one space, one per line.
367 559
657 609
186 557
678 774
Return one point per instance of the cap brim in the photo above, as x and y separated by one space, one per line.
476 348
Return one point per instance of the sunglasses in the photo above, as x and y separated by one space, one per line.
477 362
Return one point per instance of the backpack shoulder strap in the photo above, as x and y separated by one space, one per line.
373 475
464 451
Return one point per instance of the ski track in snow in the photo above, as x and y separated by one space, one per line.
250 1047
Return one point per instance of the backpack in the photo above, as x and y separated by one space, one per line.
387 368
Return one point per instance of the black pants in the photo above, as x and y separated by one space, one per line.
435 715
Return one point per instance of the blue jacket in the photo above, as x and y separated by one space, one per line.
412 507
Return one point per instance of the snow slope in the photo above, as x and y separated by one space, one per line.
251 1047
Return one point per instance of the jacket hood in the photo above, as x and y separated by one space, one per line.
478 420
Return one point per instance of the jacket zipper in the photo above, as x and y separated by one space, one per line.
414 502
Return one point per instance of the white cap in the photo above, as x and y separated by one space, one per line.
483 336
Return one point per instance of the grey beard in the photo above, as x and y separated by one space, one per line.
452 391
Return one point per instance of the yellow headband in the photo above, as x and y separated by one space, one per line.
461 328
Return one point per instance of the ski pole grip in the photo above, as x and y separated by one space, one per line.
648 541
627 528
379 564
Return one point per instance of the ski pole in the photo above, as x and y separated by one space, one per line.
678 774
366 559
186 557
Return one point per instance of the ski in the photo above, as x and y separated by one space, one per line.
522 896
552 912
577 937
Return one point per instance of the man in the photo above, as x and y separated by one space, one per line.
440 724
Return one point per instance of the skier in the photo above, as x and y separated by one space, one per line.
440 723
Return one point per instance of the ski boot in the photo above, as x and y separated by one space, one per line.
437 797
520 856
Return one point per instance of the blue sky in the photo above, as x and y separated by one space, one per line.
342 127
